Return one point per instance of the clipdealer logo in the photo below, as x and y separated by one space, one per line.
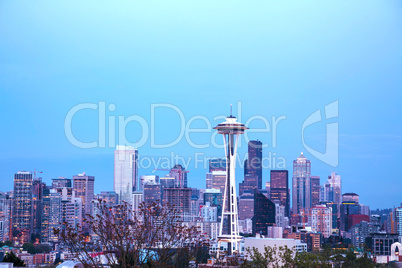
109 124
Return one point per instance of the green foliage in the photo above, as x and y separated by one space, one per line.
29 247
33 249
272 257
285 257
7 243
42 248
11 257
35 238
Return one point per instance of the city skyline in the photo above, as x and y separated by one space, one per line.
200 133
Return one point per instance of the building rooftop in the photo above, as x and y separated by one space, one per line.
350 194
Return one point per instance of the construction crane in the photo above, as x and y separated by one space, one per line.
174 169
34 172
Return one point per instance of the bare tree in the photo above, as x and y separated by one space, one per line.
153 236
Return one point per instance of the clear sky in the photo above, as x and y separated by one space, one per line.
275 58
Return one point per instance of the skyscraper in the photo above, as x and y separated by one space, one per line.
315 190
246 205
280 189
52 214
37 194
22 215
138 198
152 192
146 179
214 198
125 172
353 197
5 217
83 186
301 191
398 220
180 198
350 206
61 182
217 164
217 180
254 162
320 220
264 213
180 174
74 213
166 182
332 189
250 183
109 197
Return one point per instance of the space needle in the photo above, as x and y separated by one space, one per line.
229 227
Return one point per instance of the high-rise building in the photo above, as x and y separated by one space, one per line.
335 208
217 164
138 198
37 194
152 192
268 188
180 174
264 213
5 217
315 190
350 206
64 187
246 205
217 180
364 209
180 198
83 186
194 206
254 162
320 220
111 198
250 183
45 214
54 215
279 186
361 231
332 189
74 213
209 213
147 179
22 215
166 182
61 182
215 198
301 191
398 220
350 197
280 219
125 172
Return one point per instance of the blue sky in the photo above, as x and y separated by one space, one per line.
277 58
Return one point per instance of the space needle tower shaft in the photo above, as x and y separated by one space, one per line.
229 226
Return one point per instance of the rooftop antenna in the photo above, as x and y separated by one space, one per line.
230 110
